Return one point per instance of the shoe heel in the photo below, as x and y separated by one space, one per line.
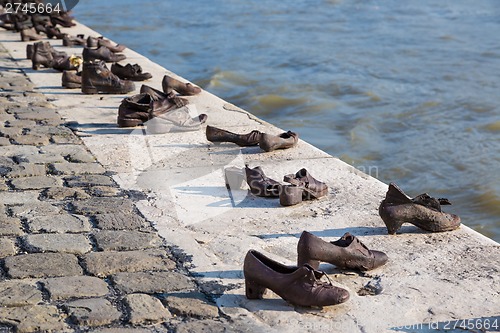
89 90
254 290
290 195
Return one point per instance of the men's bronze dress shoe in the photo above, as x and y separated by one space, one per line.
184 89
269 142
261 185
130 72
97 78
297 285
54 32
69 40
102 53
66 63
113 48
346 252
63 20
422 211
217 135
71 79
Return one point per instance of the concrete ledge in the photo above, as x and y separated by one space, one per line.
430 278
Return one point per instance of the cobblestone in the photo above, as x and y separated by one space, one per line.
42 265
10 226
77 168
19 293
106 263
119 221
35 183
34 208
64 223
89 181
38 318
145 309
30 139
7 247
63 193
27 170
102 205
75 287
124 240
40 158
152 282
193 304
92 312
4 141
62 243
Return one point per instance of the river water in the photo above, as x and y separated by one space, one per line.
408 92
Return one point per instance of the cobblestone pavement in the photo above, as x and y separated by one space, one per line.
75 254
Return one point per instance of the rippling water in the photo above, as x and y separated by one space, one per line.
406 91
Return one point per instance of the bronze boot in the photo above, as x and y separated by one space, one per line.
268 142
347 252
42 55
218 135
422 211
298 285
97 78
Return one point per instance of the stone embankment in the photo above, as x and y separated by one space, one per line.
104 229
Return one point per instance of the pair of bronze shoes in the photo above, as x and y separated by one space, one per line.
161 112
303 186
422 211
302 285
266 142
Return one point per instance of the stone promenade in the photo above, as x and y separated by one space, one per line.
75 254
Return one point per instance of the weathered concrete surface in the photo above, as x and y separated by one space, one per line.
430 278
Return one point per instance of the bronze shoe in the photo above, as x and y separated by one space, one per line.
63 20
297 285
54 32
42 55
106 43
130 72
71 79
184 89
102 53
268 142
66 63
30 34
218 135
69 40
97 78
165 117
422 211
29 51
311 187
259 184
134 110
347 252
